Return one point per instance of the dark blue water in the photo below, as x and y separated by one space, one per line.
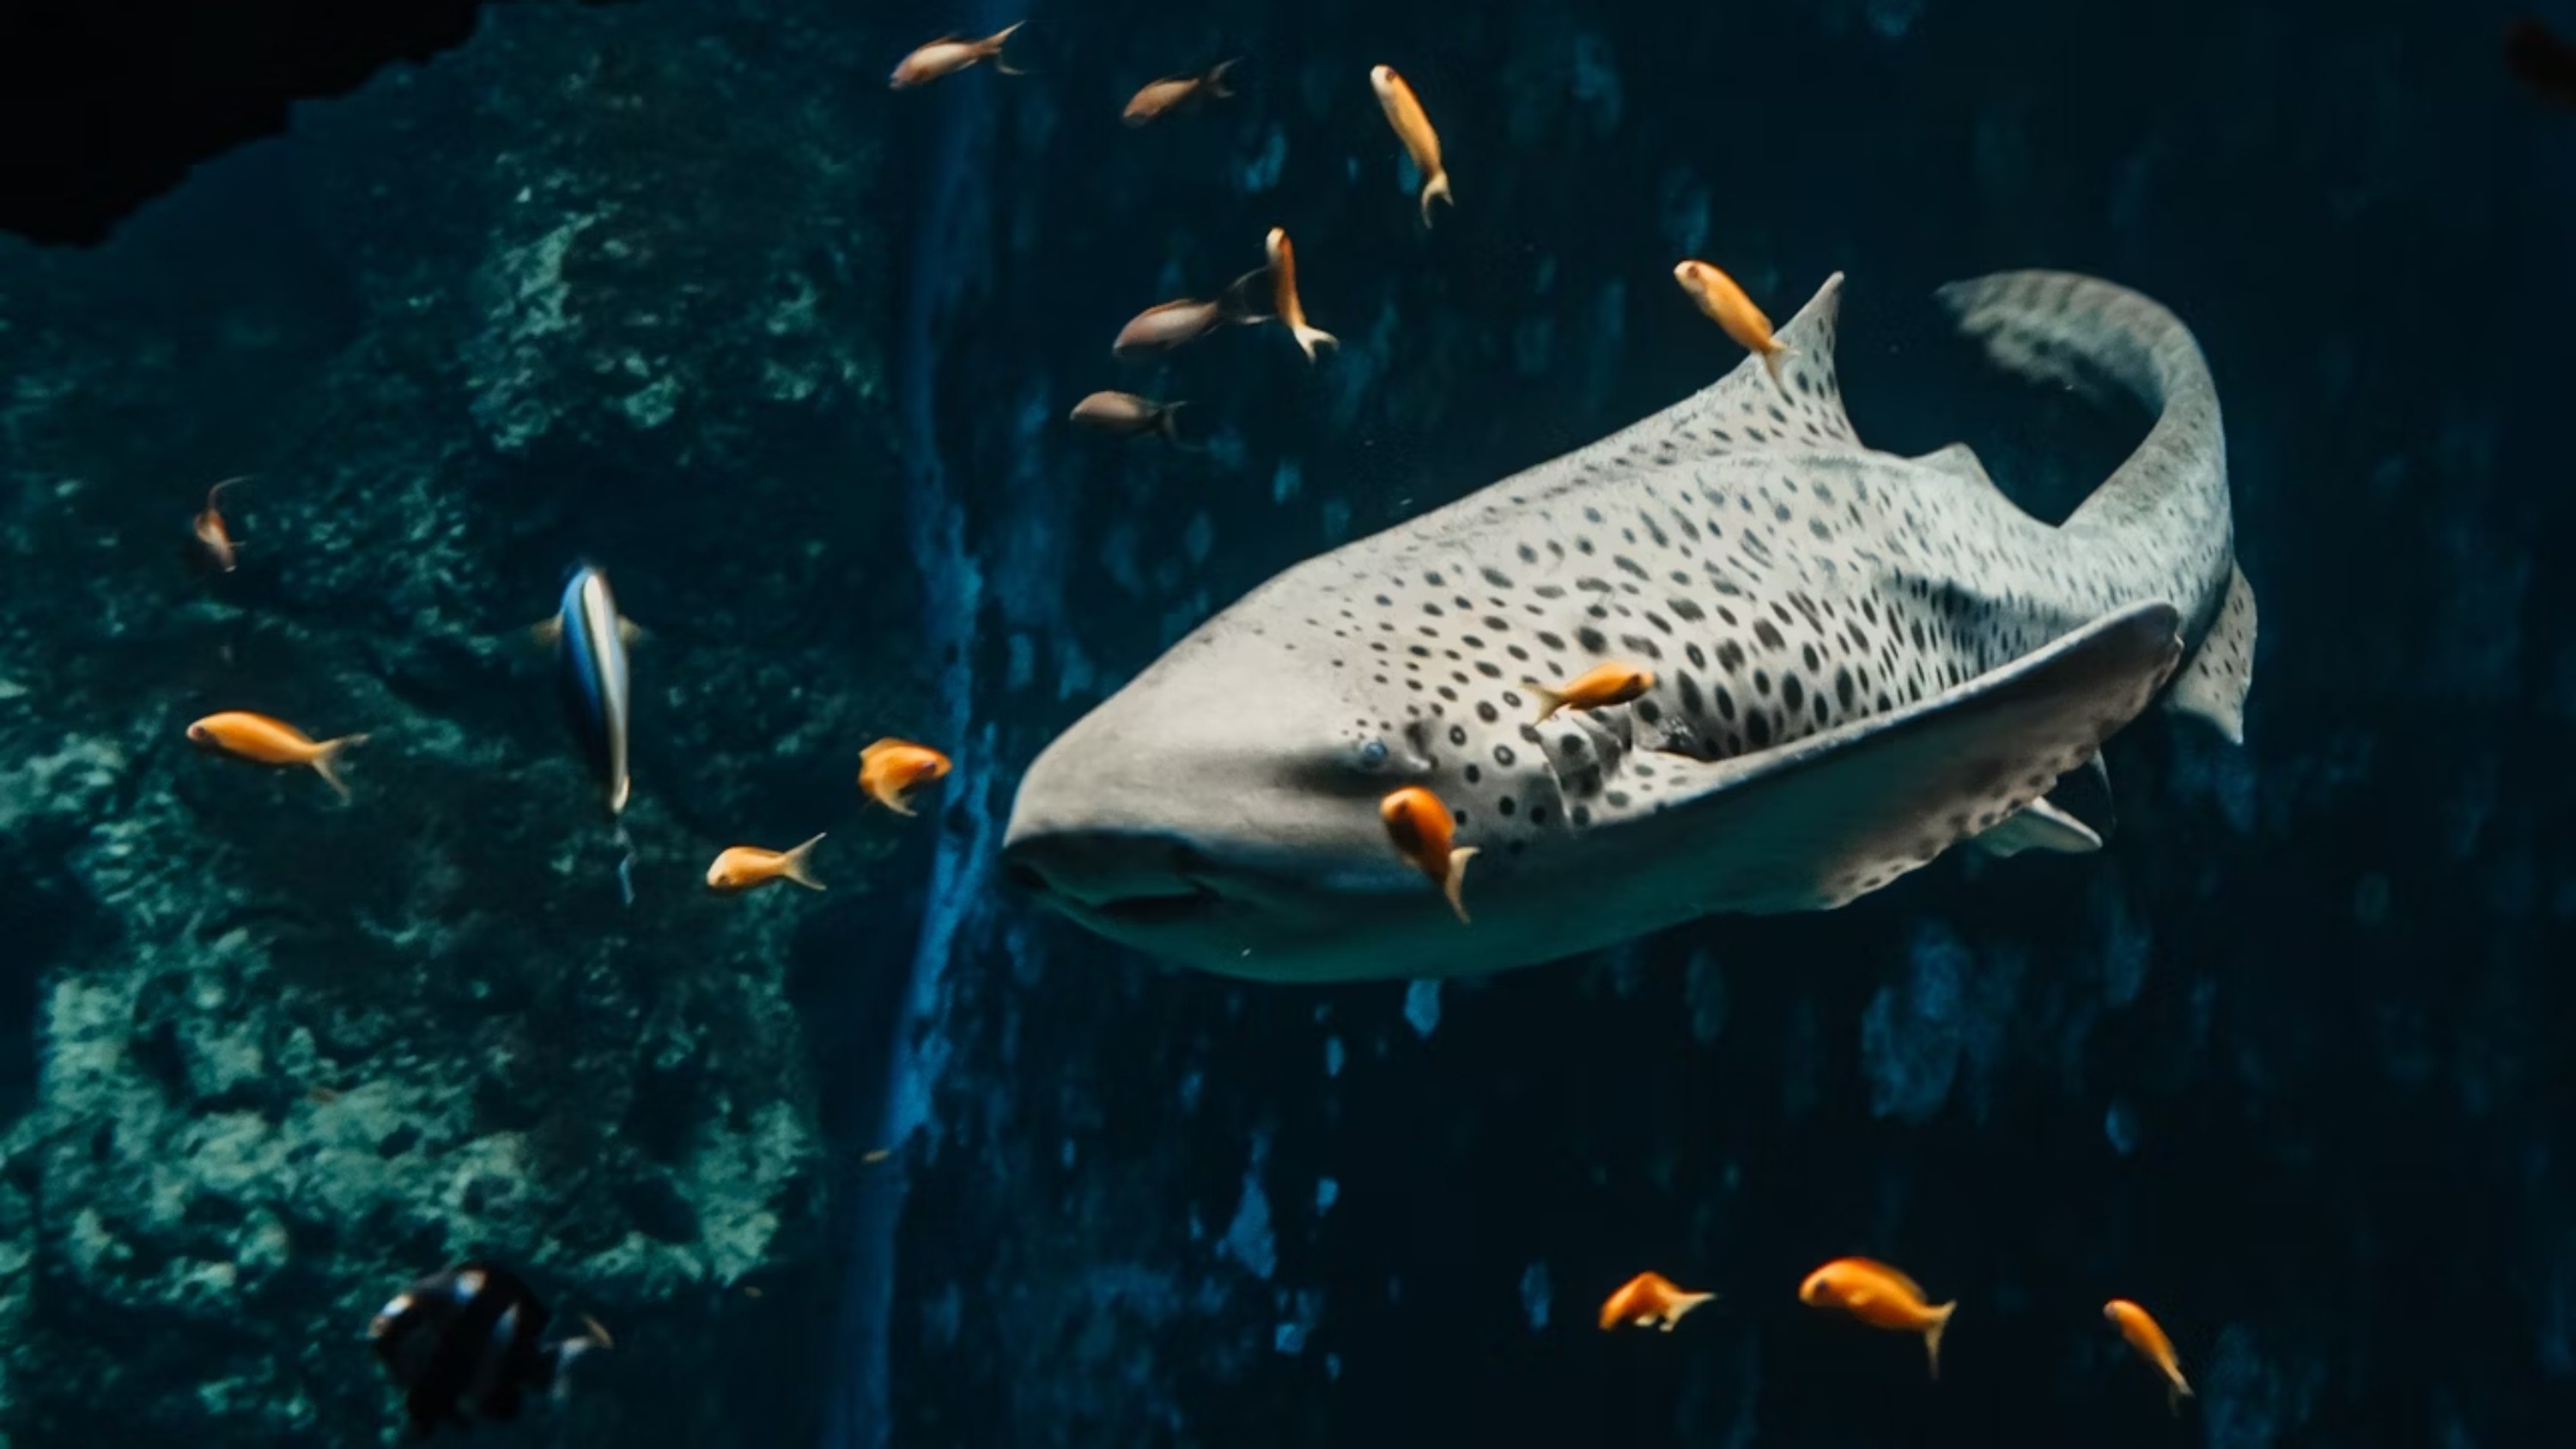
686 291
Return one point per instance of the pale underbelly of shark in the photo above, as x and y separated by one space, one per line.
1860 660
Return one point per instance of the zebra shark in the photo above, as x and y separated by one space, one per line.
1860 660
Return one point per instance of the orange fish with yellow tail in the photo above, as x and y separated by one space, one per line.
266 741
1283 296
950 54
1881 1297
1160 98
210 530
1425 836
1726 304
2147 1336
1649 1300
1413 128
748 867
1599 687
890 770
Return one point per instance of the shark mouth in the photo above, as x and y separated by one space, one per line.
1137 881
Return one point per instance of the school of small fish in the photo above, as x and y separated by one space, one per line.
467 1344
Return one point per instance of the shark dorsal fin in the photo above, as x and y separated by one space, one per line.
1801 410
1746 411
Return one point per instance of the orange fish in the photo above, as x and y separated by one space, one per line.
890 770
1283 296
1649 1300
271 742
210 529
1727 306
1125 415
2147 1336
1413 128
1599 687
950 54
748 867
1421 828
1881 1297
1162 96
1172 324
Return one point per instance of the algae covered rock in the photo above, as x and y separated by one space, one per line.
573 290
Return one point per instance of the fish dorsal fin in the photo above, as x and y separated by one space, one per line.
1834 816
1899 1275
2213 685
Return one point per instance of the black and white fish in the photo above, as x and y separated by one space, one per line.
465 1347
590 639
1859 661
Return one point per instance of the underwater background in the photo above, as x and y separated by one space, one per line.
685 290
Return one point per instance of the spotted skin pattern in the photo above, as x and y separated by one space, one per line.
1832 631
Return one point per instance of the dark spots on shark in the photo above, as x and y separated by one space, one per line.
1792 693
1592 639
1486 712
1757 729
1686 611
1770 636
1649 711
1582 816
1503 756
1457 734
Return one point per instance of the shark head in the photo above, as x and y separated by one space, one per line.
1855 666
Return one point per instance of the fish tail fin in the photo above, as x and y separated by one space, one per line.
217 491
592 1339
1236 304
1215 78
546 633
327 754
1932 1337
1435 189
893 800
1668 1322
992 46
1454 887
1771 356
631 633
795 865
1549 702
2175 1393
1310 338
1167 425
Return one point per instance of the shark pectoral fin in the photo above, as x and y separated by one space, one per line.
2213 685
1837 815
2039 826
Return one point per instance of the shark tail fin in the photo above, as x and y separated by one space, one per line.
1455 884
2097 337
2213 684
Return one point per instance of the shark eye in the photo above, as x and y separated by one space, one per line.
1372 755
